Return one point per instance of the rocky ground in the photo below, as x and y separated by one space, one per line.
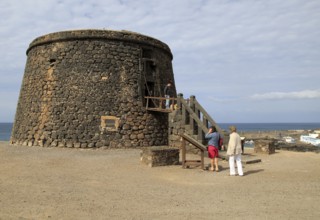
276 134
298 146
61 183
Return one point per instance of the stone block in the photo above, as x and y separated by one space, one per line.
160 156
264 146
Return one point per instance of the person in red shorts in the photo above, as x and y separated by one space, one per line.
213 147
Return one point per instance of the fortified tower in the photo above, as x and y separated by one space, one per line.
86 88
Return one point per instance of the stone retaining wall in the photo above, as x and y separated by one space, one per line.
264 146
160 156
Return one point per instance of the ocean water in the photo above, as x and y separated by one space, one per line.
5 128
5 131
271 126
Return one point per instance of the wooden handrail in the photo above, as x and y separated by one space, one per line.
195 143
158 100
194 116
204 112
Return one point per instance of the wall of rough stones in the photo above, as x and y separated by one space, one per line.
265 146
86 88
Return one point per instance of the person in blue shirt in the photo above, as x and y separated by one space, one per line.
213 147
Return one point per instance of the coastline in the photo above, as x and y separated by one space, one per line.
273 134
247 128
276 126
251 131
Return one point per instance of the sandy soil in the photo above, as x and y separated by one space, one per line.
61 183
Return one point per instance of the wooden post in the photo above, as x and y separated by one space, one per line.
160 103
179 97
202 159
195 143
200 133
147 105
205 121
192 106
183 113
183 152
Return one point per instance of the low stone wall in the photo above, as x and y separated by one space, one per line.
160 156
298 147
264 146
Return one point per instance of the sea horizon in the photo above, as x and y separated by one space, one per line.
271 126
6 127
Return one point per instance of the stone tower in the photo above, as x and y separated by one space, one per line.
86 88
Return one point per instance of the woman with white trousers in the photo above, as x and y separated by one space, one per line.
234 151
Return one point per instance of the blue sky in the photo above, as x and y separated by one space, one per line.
245 60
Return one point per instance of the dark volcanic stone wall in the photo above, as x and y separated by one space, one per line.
85 89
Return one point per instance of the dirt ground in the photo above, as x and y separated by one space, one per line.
61 183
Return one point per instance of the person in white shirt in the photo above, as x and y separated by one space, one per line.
234 152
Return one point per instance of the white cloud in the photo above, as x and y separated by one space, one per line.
306 94
223 49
